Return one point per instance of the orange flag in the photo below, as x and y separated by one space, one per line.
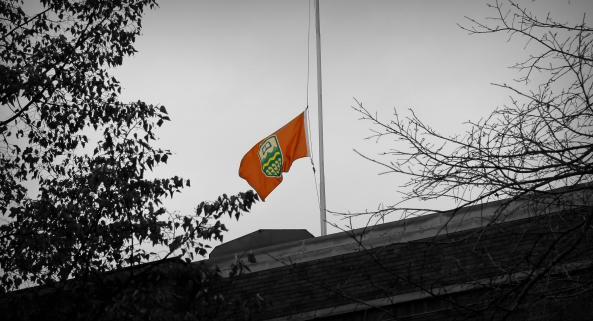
263 165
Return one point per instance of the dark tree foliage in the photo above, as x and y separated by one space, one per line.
162 290
95 206
536 151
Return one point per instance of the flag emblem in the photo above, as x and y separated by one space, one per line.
270 157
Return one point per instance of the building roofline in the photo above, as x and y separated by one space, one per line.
401 231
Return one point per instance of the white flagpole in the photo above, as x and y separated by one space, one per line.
319 108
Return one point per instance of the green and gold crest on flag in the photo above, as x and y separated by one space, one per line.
270 157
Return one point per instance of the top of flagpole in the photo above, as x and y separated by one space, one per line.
322 208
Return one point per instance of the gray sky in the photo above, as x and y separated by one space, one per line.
232 72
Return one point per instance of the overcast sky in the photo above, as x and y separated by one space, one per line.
232 72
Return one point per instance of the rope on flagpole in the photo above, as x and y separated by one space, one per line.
307 109
311 156
308 52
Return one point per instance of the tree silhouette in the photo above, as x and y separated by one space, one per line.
534 155
95 206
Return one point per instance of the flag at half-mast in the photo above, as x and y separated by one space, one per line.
263 165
